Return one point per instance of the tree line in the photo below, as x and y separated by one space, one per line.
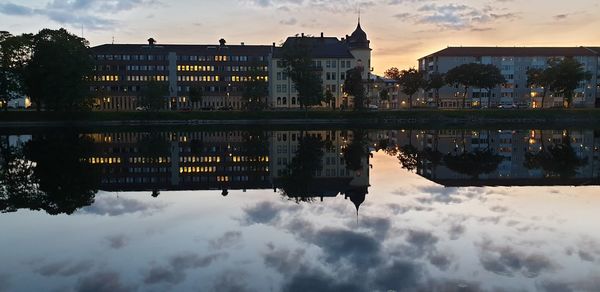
560 77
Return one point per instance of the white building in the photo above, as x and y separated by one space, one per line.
513 63
330 55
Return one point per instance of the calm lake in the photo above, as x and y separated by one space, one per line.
300 210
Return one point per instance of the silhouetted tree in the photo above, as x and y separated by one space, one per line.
66 178
435 82
411 81
298 63
303 167
154 95
57 74
473 163
556 160
354 86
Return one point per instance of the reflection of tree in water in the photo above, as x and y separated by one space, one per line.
556 160
354 152
53 175
303 167
473 163
18 185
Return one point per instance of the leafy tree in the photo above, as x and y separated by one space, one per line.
153 95
57 74
392 73
298 63
411 81
465 75
19 187
354 86
384 94
544 78
255 91
435 82
15 52
569 74
329 97
489 76
196 94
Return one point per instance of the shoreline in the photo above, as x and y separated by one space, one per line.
420 117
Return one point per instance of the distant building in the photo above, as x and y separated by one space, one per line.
513 63
332 56
219 71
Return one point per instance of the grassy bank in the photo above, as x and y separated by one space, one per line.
589 115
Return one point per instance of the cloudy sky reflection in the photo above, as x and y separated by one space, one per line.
410 234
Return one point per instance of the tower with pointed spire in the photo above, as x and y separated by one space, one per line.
360 47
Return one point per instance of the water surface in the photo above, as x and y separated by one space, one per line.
297 210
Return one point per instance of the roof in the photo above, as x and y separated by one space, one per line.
321 47
181 49
358 39
516 51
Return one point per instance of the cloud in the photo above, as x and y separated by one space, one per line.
283 260
4 282
175 271
454 16
64 268
107 205
15 9
399 276
505 260
117 241
92 14
261 213
291 21
317 281
339 244
103 281
228 240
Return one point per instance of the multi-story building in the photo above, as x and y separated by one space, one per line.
513 64
218 71
331 56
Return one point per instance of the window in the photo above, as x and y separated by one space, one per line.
279 101
342 75
293 100
284 100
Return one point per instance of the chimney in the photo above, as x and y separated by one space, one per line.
321 34
222 42
273 44
242 43
151 41
302 34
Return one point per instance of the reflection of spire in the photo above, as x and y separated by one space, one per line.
357 196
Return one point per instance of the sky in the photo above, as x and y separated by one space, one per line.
400 31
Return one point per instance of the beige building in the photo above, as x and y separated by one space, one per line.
332 56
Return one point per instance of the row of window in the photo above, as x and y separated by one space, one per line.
131 57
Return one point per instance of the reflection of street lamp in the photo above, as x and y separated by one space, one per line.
227 99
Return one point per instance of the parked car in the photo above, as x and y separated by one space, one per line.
225 108
373 107
507 106
141 108
185 109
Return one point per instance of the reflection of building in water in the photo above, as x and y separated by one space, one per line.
181 161
506 157
156 161
335 176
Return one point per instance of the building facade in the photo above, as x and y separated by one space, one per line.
513 64
220 72
332 57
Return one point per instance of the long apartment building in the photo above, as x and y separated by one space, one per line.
220 71
513 62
